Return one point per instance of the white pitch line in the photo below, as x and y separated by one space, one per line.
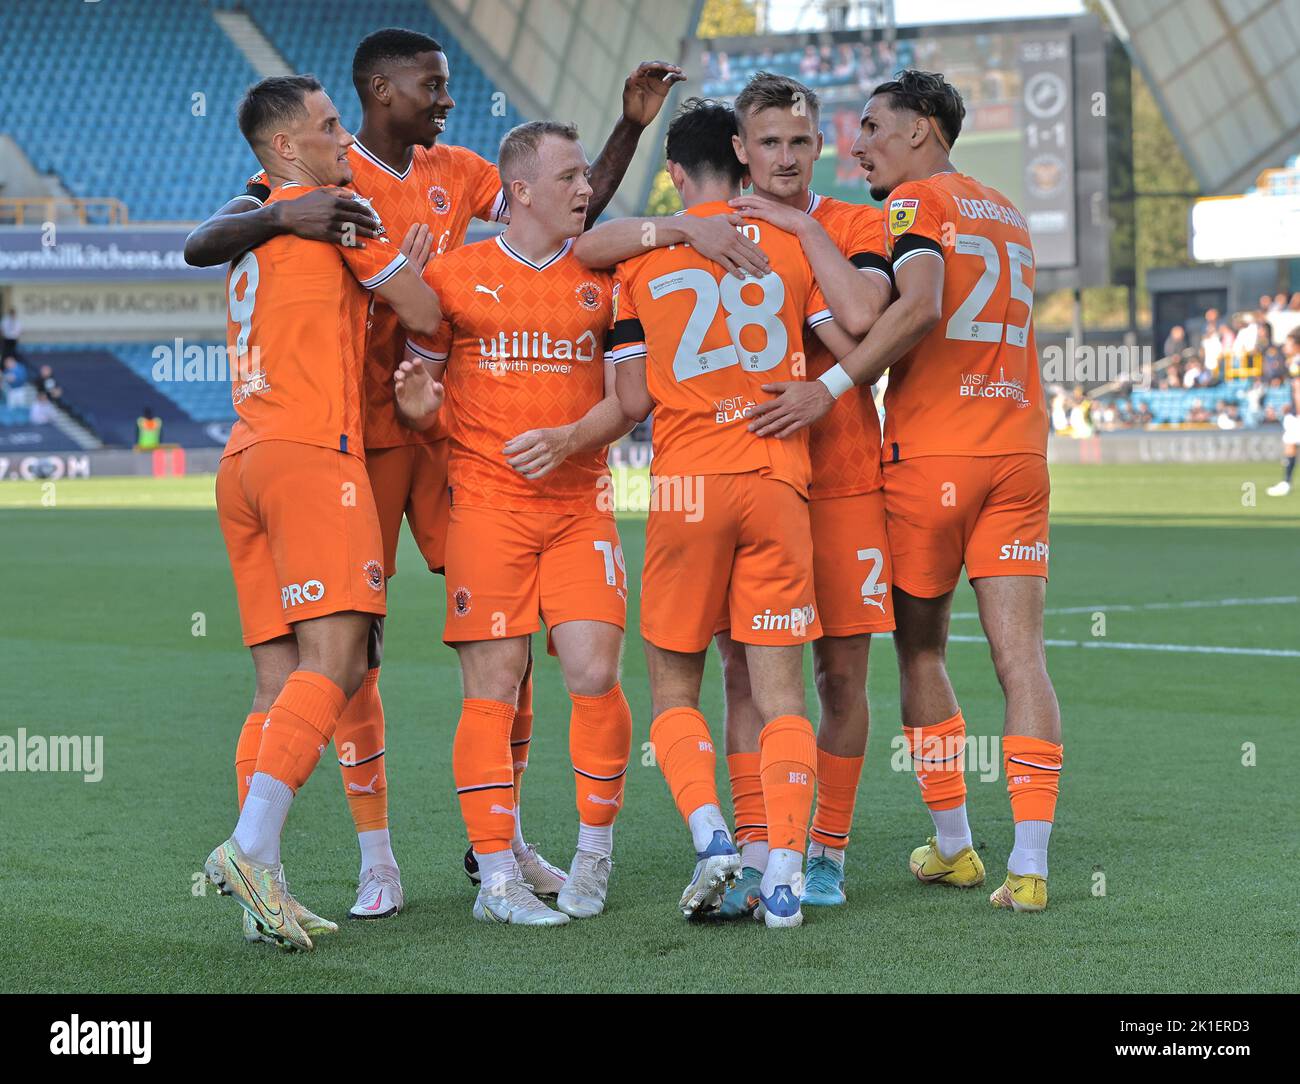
1198 604
1119 645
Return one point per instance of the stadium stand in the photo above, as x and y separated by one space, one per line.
134 75
108 384
319 36
128 76
1171 406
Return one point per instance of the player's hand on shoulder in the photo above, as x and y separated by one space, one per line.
328 214
780 215
537 452
415 391
717 238
417 246
646 89
798 404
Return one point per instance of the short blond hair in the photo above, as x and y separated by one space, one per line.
767 90
517 155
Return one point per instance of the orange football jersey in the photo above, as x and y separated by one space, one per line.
445 187
710 342
524 345
971 386
296 333
845 445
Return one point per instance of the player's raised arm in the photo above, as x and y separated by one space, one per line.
905 323
644 93
716 237
856 299
327 214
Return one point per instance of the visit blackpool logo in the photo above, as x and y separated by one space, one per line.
979 386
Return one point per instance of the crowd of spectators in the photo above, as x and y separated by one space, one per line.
29 397
1226 373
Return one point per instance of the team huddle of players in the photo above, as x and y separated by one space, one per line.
476 395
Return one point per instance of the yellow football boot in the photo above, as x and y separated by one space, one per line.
1017 893
312 924
260 890
962 870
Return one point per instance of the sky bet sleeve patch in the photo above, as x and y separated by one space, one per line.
902 214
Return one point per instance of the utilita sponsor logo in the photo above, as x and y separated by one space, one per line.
528 345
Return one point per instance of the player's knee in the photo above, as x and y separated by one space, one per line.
595 677
840 695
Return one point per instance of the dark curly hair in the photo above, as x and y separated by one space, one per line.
928 94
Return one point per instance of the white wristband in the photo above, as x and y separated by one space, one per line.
837 381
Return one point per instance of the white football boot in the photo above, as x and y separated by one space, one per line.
584 891
379 893
509 900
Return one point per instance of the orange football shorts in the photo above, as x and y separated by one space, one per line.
851 565
988 513
412 479
302 536
507 569
741 547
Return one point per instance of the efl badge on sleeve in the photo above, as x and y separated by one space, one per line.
902 213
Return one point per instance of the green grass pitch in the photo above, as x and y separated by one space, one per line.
1172 860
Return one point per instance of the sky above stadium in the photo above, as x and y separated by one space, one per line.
796 14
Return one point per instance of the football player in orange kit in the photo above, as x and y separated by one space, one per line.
779 141
693 344
293 497
532 533
966 481
405 173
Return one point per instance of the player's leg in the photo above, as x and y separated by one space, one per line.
773 612
683 749
1291 424
273 662
584 605
853 575
493 602
788 770
360 740
600 742
930 504
742 725
330 599
1010 582
678 616
840 671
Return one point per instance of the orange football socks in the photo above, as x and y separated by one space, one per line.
299 725
788 766
1033 768
250 739
684 750
359 741
480 761
747 798
837 791
600 741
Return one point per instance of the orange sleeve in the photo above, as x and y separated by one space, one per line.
436 347
375 264
627 335
914 219
866 248
483 186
